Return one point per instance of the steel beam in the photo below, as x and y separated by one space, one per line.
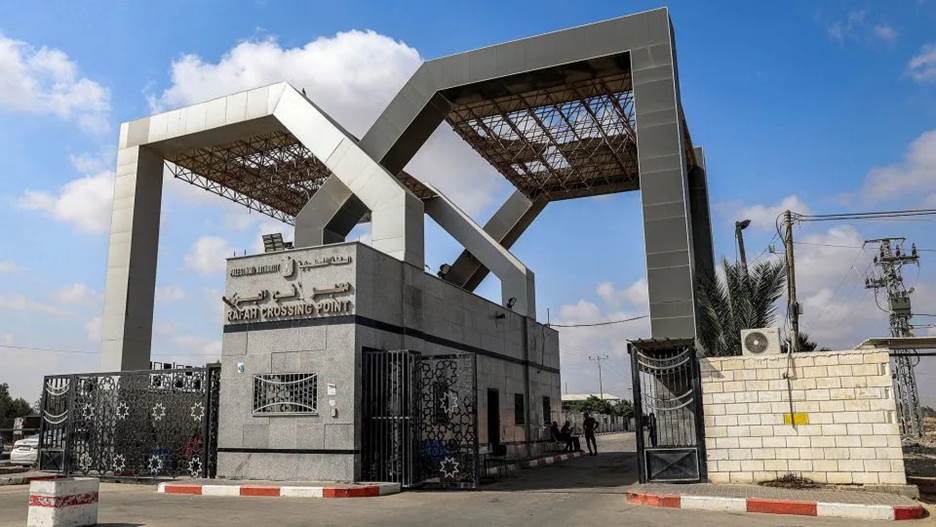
517 283
505 226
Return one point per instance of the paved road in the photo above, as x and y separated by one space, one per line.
582 492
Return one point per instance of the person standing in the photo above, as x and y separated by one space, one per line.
588 426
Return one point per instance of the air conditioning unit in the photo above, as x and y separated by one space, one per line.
761 341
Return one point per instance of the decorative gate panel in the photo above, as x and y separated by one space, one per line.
448 424
420 419
668 410
140 424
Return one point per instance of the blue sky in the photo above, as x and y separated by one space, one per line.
813 106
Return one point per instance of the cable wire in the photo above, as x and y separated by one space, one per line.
593 324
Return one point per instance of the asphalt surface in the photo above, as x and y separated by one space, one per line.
585 491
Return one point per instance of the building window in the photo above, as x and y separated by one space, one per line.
547 411
519 417
285 394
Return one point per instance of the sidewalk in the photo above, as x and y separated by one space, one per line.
23 478
291 489
755 498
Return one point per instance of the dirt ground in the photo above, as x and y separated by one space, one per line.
920 459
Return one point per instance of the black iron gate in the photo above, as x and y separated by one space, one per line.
136 424
668 411
420 419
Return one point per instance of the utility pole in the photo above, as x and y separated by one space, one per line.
598 359
793 308
889 261
738 227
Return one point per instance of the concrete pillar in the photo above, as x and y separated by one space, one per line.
505 226
329 215
664 186
516 280
127 324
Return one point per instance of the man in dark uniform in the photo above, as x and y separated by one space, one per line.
588 426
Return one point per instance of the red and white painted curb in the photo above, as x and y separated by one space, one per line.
778 506
548 460
63 502
366 490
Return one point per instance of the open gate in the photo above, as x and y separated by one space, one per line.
668 411
420 419
134 424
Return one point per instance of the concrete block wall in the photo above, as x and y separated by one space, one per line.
851 436
396 293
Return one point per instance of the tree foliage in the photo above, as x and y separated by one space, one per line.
11 408
742 300
594 405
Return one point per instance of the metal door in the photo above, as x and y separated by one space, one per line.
419 423
668 411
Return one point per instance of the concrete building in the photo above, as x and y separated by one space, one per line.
304 320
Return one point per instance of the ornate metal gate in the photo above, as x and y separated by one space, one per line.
139 424
420 419
668 410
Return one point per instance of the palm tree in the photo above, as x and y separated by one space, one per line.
744 299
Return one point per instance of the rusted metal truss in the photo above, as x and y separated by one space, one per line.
575 139
271 173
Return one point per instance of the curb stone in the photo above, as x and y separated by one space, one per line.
335 491
548 460
24 480
779 506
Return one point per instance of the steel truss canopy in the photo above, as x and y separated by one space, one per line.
270 172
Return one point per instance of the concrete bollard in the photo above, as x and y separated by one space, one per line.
71 502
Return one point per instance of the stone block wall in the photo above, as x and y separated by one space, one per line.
845 400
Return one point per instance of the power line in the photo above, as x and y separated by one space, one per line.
593 324
865 215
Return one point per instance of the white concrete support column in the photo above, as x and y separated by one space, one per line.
328 215
505 226
516 280
396 213
664 186
127 324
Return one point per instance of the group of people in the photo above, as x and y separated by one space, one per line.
566 435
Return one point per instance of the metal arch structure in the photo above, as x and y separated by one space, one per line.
580 112
269 148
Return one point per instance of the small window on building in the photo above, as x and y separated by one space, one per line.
519 417
285 394
547 411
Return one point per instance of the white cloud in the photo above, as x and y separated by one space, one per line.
844 29
635 294
884 32
93 329
93 163
76 293
763 216
169 293
208 255
19 302
922 67
45 81
8 266
914 175
200 345
84 202
352 75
